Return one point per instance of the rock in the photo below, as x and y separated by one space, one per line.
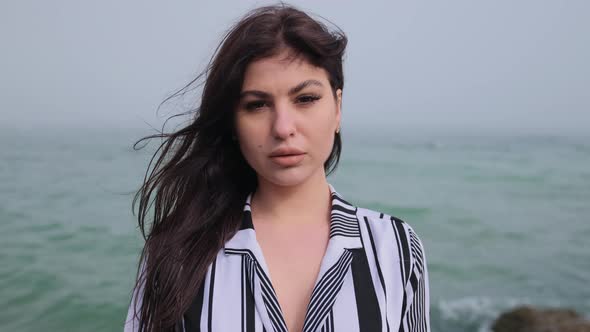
529 319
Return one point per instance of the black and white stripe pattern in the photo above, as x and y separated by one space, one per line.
343 217
373 277
324 293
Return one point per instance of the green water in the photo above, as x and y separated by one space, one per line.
504 220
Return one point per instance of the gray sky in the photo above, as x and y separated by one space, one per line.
519 65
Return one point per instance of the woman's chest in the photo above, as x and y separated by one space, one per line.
293 266
238 295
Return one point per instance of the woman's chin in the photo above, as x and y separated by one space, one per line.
289 177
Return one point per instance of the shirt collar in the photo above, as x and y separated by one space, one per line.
344 227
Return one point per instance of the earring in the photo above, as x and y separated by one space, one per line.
337 130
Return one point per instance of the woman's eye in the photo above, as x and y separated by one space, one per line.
255 105
260 104
308 99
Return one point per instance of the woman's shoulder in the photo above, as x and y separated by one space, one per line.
385 230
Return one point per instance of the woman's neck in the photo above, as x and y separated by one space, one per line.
303 203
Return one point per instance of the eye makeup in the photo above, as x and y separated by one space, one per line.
306 99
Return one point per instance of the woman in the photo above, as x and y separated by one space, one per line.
247 234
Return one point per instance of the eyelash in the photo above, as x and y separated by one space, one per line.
251 106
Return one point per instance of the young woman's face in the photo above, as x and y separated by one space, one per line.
286 119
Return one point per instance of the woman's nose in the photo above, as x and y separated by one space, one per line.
283 124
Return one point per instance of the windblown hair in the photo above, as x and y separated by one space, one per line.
200 180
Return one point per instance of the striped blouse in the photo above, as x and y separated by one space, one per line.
373 277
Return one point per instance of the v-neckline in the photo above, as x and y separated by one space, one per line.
344 235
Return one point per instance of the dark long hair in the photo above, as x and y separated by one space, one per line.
199 183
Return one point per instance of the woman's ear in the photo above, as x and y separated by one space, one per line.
338 109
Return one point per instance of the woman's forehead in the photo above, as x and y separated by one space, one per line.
280 71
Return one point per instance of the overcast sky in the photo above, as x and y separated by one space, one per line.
452 64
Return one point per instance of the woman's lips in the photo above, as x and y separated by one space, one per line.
288 160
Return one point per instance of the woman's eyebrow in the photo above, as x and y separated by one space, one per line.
292 91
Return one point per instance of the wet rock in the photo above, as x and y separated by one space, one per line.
529 319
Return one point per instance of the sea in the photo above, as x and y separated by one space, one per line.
504 218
